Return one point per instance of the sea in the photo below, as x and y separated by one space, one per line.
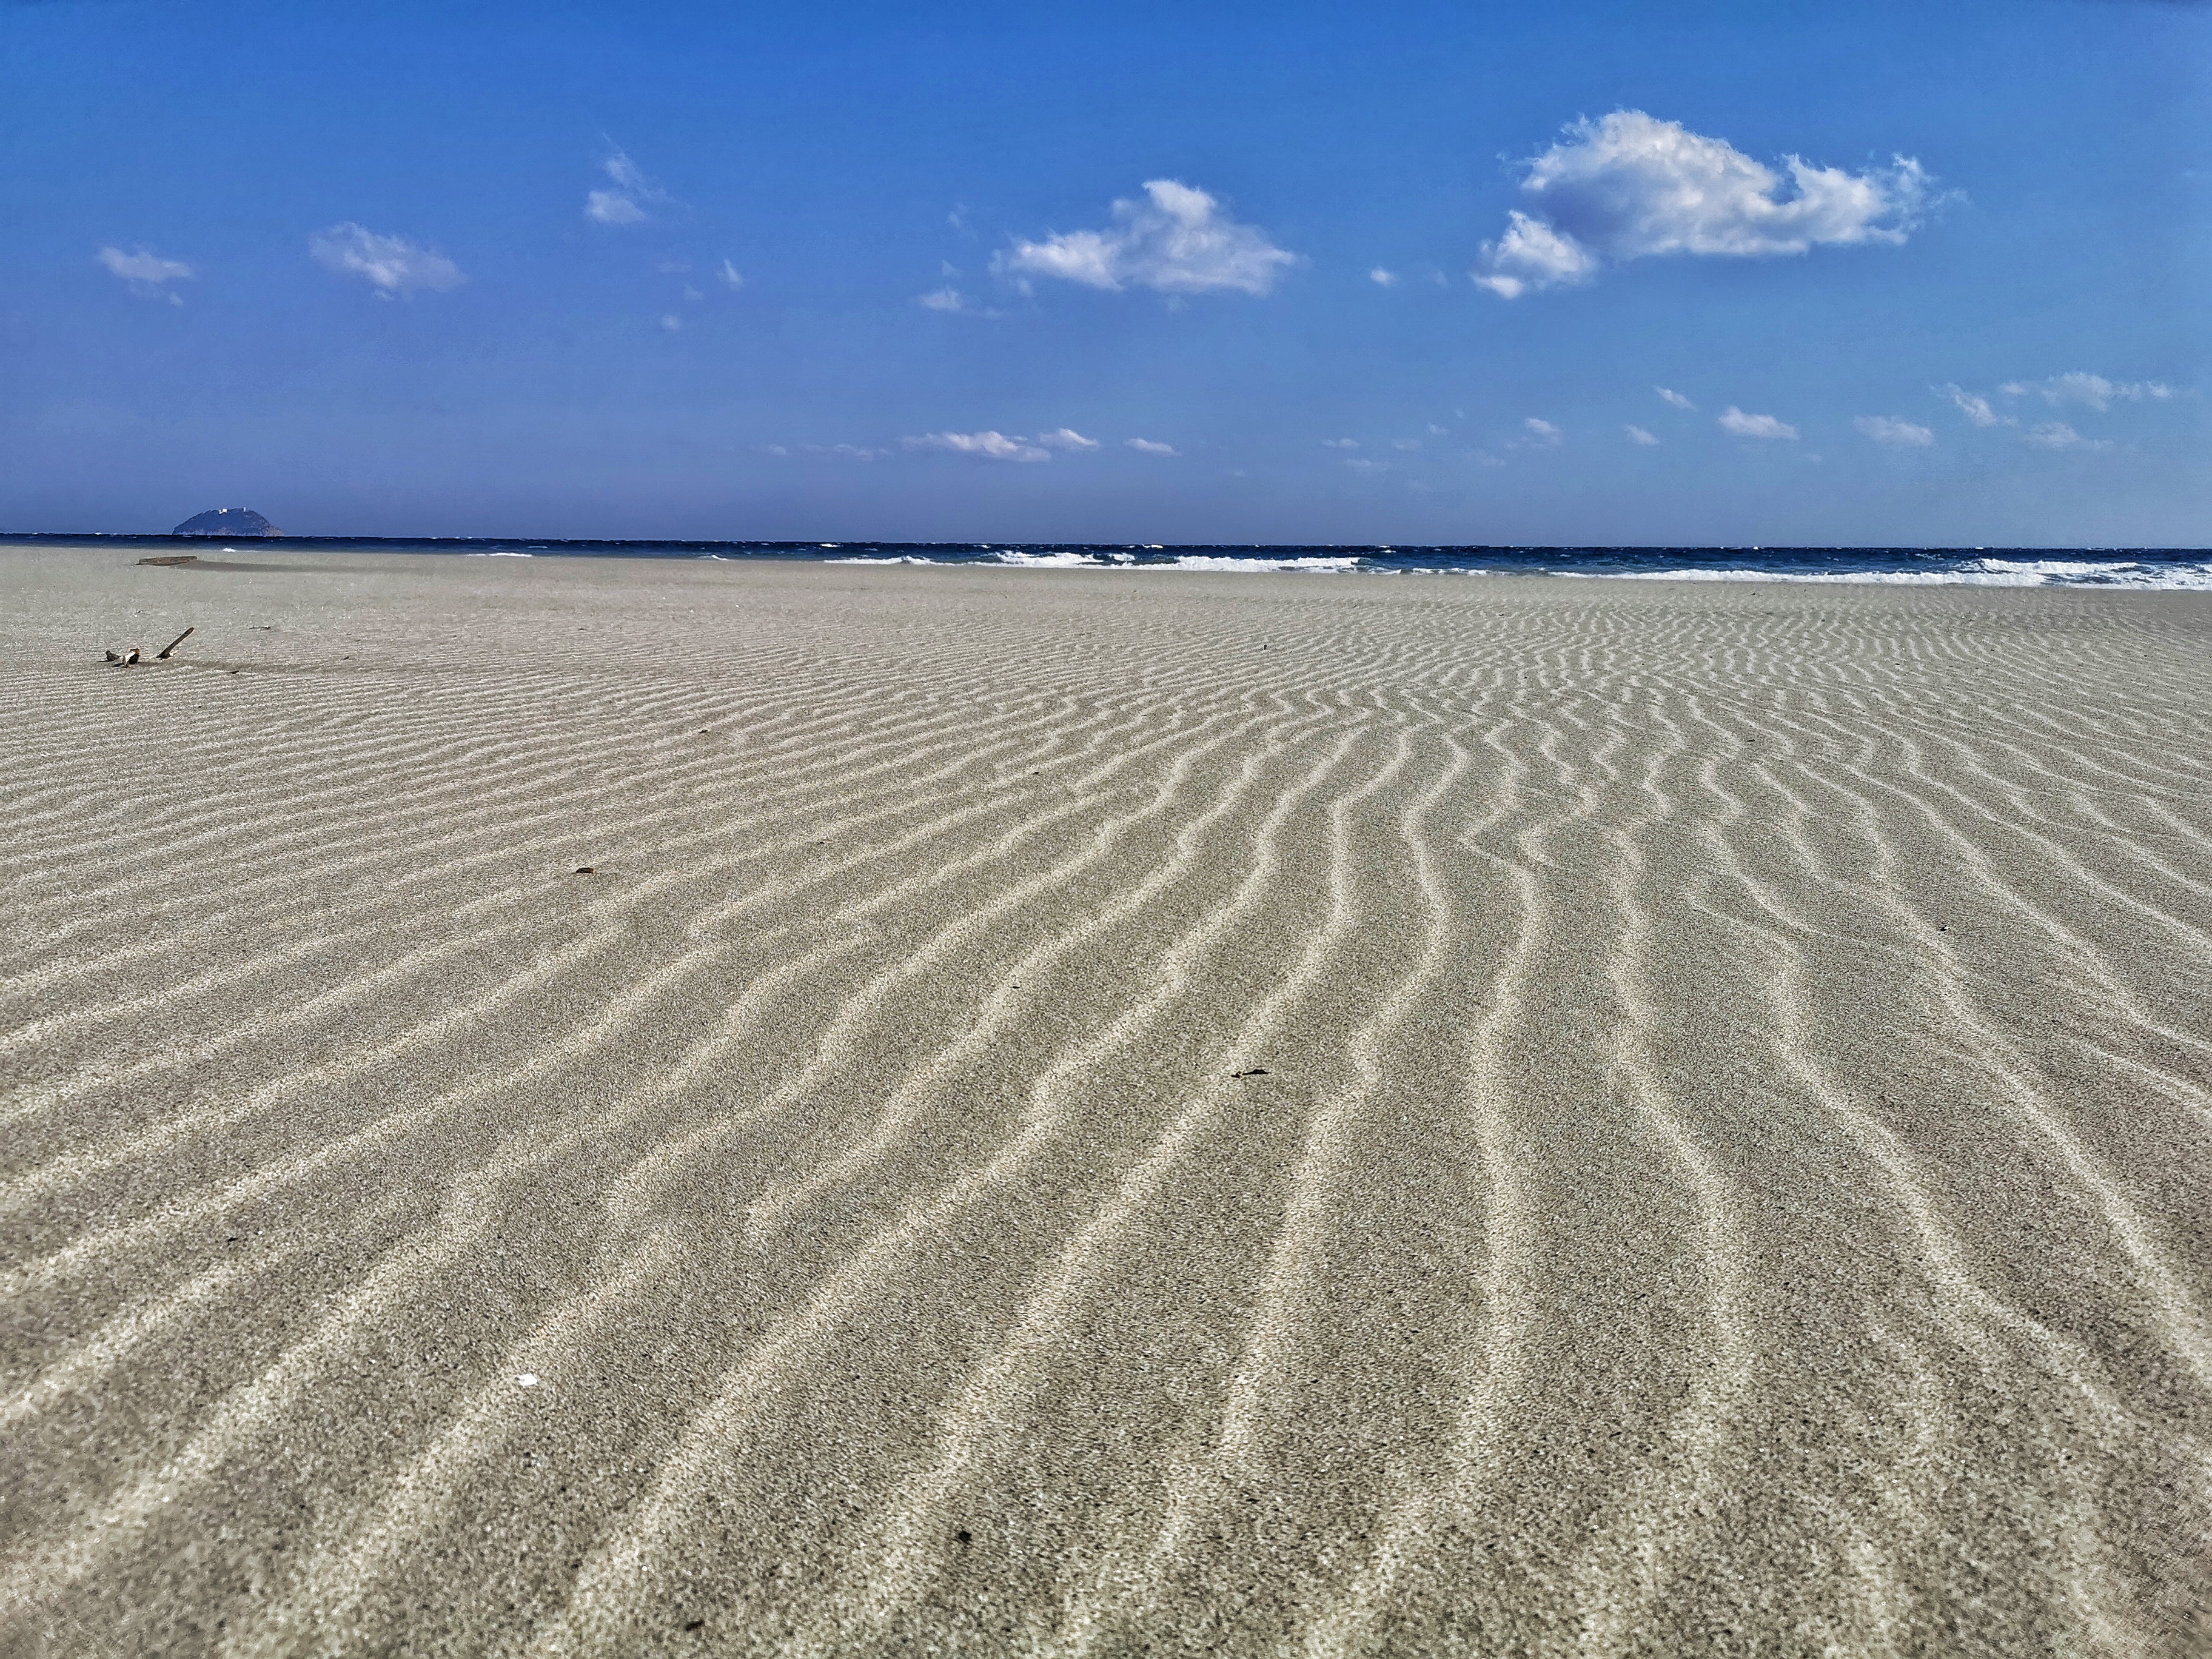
2154 568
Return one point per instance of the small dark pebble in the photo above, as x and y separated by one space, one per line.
965 1536
695 1624
1257 1070
585 869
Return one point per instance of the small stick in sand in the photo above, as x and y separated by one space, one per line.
114 656
162 655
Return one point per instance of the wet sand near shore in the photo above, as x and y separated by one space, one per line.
592 1107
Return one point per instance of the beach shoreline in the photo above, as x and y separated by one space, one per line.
596 1106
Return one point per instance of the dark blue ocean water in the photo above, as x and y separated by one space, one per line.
2130 567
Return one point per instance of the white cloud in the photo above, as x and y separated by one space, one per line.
1637 434
1542 432
146 273
1366 467
1629 186
1340 443
2092 390
1174 241
1382 278
625 204
992 446
392 265
843 452
673 323
1405 443
1738 424
1531 254
2059 436
1146 446
1667 394
731 277
943 299
1888 429
606 207
1066 438
1975 407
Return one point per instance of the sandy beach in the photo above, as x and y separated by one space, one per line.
587 1107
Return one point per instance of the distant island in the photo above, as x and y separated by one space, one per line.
226 521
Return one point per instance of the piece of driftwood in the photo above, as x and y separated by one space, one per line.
173 558
162 655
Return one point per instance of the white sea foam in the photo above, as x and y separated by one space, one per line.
499 553
1981 572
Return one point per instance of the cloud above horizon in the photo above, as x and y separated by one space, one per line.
625 203
1176 241
1737 424
2092 390
1147 446
146 273
1630 187
395 267
989 445
1890 430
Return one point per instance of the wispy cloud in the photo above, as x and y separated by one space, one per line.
1066 438
1629 186
1975 407
843 452
1889 429
628 194
673 323
1146 446
1367 468
732 277
1176 241
1637 434
147 274
395 267
2057 434
1737 424
1382 278
2092 390
989 445
1668 395
951 299
1340 443
1542 433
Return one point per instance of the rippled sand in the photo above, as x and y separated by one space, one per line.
1100 1115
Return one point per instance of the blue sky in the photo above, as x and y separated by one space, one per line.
848 271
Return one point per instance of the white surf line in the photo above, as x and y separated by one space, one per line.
625 1562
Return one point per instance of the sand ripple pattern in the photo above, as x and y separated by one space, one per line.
1090 1115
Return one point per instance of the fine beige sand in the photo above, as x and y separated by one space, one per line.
1099 1114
